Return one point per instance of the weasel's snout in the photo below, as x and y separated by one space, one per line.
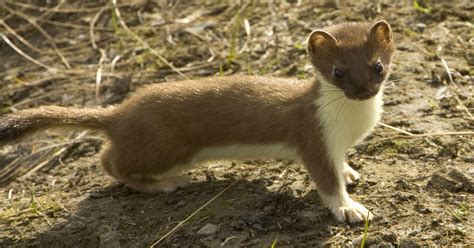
366 95
363 93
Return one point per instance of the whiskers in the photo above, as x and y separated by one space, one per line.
341 107
389 83
327 105
326 87
332 104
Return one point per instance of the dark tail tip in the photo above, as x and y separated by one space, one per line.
11 131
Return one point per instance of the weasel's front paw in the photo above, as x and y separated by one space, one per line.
352 212
350 175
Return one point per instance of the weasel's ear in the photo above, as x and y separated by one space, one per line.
381 32
320 39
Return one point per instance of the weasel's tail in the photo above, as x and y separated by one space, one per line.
18 125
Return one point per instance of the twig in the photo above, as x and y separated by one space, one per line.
445 65
49 68
92 26
98 78
237 15
42 212
18 50
426 135
396 129
63 10
9 170
71 25
145 44
16 35
191 215
56 154
32 21
29 26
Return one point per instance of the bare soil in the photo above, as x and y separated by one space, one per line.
55 194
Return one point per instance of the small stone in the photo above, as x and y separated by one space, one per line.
404 196
390 237
180 204
435 223
420 27
440 183
109 239
268 209
238 225
422 209
458 187
402 184
357 241
368 242
414 233
385 245
287 219
469 160
408 243
208 229
462 179
257 227
309 215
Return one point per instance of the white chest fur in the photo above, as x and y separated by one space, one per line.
346 122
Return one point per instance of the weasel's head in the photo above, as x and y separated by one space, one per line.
354 57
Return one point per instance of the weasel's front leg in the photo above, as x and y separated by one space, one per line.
330 180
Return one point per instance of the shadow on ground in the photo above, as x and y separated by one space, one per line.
119 217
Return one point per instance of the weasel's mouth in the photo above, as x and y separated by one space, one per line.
362 96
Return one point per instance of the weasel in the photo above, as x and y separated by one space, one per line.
166 128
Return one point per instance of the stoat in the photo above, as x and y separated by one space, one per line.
166 128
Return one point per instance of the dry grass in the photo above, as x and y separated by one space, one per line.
96 53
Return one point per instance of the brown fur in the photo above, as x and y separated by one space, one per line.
224 111
163 126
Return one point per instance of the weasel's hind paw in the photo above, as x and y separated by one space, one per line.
166 185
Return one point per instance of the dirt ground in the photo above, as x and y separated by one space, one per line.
78 53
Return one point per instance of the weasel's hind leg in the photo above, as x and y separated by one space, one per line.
119 168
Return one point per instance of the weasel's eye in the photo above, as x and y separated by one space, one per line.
338 73
378 68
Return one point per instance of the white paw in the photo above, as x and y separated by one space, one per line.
171 184
350 175
352 212
345 209
167 185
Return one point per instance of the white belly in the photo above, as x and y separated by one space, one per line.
245 152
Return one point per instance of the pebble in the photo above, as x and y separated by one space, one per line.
385 245
390 237
239 225
310 215
180 204
208 229
408 243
